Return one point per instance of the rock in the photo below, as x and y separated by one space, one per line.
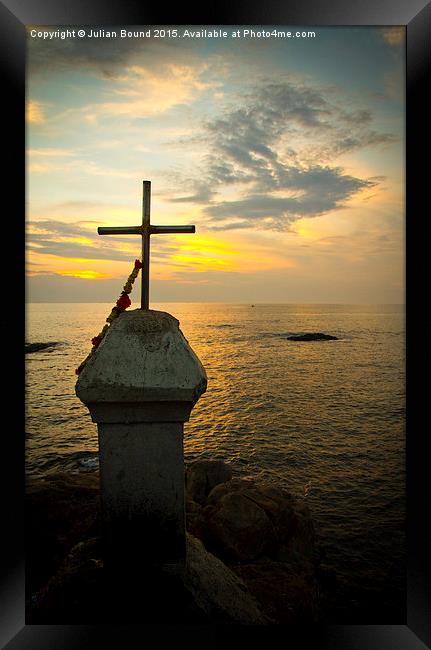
244 520
193 518
203 475
75 593
220 593
327 576
36 347
299 548
279 505
61 510
312 336
205 591
284 594
257 562
228 487
237 528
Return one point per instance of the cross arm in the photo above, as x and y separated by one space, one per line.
120 230
171 229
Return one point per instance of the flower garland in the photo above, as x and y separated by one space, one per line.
121 305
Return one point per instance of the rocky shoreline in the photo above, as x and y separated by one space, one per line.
252 556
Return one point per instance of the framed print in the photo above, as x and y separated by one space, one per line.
290 138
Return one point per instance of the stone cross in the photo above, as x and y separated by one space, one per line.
145 230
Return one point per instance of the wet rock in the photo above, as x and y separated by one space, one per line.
312 336
37 347
203 475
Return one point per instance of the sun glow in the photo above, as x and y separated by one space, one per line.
84 274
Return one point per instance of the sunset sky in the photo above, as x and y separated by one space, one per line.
287 155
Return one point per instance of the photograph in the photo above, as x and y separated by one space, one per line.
223 431
235 393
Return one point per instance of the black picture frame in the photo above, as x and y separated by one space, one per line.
416 16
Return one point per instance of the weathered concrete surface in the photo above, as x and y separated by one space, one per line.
144 357
142 486
140 387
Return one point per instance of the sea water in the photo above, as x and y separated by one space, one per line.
323 419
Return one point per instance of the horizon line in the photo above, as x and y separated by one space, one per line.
204 302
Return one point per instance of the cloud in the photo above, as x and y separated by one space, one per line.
35 112
60 161
394 35
104 58
80 240
46 55
73 240
141 92
278 147
320 190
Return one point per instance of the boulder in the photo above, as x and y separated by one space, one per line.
286 595
300 548
278 504
245 520
217 590
312 336
193 518
203 475
237 528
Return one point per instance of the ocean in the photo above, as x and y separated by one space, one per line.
323 419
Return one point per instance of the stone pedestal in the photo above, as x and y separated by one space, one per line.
140 387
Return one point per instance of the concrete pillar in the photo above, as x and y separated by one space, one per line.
140 387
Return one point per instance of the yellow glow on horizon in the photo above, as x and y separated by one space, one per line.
84 274
77 240
202 263
184 254
213 253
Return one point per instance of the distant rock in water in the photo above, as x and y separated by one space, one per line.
36 347
312 336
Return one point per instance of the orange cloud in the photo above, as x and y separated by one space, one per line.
34 112
142 92
394 35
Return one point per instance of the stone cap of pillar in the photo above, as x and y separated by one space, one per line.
143 370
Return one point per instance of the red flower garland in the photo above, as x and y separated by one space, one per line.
123 301
121 305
